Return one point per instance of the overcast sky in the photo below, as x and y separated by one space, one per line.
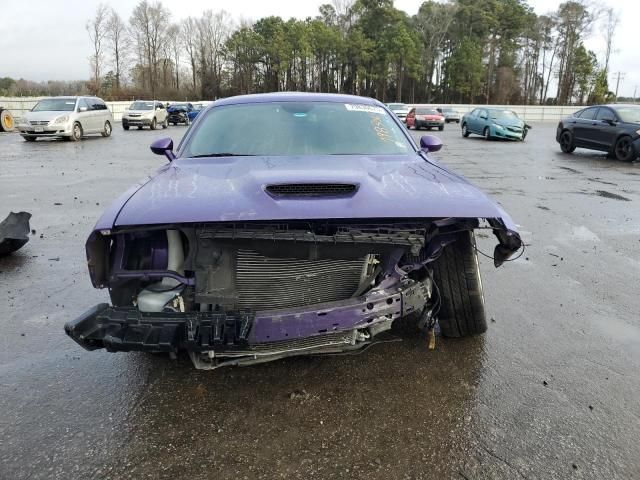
46 40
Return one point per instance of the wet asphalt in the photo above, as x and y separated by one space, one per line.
552 391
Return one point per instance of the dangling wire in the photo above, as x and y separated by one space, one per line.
506 260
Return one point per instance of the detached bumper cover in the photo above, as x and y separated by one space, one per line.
127 329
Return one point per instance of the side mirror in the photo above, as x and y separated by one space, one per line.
484 117
609 121
163 146
430 143
82 109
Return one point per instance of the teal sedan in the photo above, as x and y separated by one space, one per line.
494 123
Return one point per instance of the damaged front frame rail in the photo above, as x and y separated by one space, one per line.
221 338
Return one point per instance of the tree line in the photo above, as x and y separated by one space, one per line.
456 51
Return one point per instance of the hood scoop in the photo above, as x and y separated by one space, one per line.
297 190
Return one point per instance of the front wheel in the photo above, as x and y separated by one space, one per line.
165 124
486 133
187 121
76 132
441 127
125 126
153 124
30 139
457 275
465 130
625 150
566 142
524 134
106 132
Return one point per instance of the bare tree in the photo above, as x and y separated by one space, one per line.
149 22
611 20
174 42
213 31
97 30
189 32
118 39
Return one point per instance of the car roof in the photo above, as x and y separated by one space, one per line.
296 97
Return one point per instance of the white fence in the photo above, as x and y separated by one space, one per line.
530 113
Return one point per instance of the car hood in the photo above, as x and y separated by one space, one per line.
44 116
508 122
233 189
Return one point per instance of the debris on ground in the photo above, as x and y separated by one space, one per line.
14 232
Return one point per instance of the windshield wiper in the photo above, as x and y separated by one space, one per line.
223 154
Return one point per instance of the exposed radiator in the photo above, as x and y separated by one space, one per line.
265 283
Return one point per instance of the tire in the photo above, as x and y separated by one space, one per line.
125 125
457 121
187 121
524 134
76 132
6 121
154 124
165 124
457 275
107 130
30 139
486 133
624 149
441 128
139 127
566 142
465 130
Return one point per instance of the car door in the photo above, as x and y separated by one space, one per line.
482 120
471 118
605 128
85 116
411 117
583 128
102 113
161 112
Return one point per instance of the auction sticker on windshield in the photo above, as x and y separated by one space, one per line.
356 107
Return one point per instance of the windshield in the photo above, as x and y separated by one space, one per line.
55 105
179 105
629 114
427 111
502 114
297 128
141 106
394 107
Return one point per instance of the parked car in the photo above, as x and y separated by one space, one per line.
69 118
400 110
145 113
450 115
182 113
614 129
494 123
425 117
292 240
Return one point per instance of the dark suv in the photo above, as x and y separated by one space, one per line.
614 129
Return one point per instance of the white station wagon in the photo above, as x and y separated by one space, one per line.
70 118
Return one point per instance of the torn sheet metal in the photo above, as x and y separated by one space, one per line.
14 232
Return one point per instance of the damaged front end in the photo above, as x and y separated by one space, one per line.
242 293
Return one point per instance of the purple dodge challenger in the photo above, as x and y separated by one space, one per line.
289 224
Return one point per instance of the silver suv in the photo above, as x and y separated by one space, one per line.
70 118
145 113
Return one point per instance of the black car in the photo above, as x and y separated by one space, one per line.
614 129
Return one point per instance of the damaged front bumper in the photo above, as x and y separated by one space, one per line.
215 339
